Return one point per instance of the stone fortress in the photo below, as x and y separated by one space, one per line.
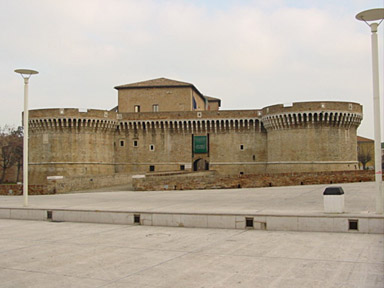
165 126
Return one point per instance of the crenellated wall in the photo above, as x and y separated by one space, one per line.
308 136
170 135
313 136
65 142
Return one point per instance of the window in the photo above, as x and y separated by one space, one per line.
241 147
152 168
151 147
137 108
353 224
248 222
121 143
135 143
136 218
182 167
155 108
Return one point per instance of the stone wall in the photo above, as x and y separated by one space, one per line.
216 181
304 137
68 184
313 136
17 189
70 146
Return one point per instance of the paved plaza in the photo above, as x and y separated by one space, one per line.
62 254
67 254
359 198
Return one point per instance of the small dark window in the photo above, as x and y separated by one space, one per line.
135 143
152 168
254 157
241 147
49 215
182 167
136 218
137 108
249 222
121 143
353 224
151 147
241 173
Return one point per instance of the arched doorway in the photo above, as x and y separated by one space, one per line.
200 165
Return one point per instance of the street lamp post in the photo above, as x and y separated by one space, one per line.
368 16
26 74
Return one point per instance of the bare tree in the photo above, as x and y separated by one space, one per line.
364 155
11 149
18 142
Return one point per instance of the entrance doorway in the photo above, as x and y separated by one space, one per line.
200 165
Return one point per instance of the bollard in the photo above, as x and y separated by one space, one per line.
333 200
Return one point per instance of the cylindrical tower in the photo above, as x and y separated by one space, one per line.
66 142
312 136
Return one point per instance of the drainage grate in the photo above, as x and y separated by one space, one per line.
248 222
353 224
136 218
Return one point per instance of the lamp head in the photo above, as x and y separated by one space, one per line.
371 15
26 73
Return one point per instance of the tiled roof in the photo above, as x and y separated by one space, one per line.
363 139
159 82
213 99
209 98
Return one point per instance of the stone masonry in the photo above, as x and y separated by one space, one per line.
303 137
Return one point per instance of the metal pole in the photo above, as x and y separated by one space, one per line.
376 107
25 148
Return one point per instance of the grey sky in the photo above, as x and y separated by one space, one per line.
251 54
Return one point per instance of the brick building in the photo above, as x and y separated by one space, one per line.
366 153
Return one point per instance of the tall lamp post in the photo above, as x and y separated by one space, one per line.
26 74
369 16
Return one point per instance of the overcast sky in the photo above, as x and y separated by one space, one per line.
251 54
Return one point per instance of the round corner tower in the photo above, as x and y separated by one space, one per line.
312 136
67 142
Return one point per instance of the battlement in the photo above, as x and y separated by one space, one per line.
276 117
310 114
179 121
313 106
45 119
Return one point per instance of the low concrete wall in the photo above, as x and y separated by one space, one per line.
17 189
310 223
68 184
212 181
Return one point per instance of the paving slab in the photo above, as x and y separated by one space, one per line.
359 198
63 254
